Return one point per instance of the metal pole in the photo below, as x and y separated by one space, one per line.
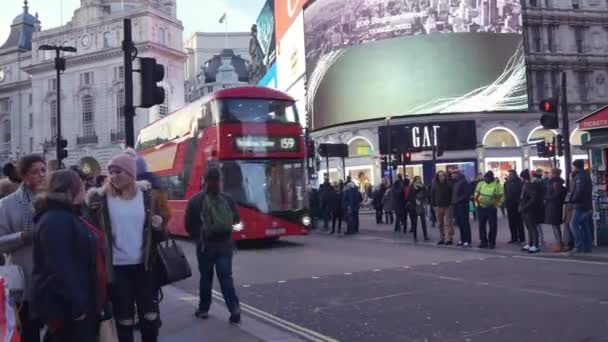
566 131
390 152
58 86
343 169
129 109
553 141
326 167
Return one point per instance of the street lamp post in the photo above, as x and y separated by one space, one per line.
390 151
59 67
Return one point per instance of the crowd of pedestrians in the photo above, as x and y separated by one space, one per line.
530 200
88 248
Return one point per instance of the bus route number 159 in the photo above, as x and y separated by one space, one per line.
288 143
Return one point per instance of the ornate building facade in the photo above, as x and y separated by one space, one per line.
568 36
92 87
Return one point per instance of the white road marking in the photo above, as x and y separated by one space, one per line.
561 260
315 277
281 281
458 261
377 270
434 264
347 273
246 285
406 267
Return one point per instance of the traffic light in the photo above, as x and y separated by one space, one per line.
407 157
541 149
550 151
62 153
549 120
151 73
559 144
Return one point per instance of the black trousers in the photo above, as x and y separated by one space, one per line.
401 219
379 215
30 328
336 217
516 223
389 216
414 215
133 285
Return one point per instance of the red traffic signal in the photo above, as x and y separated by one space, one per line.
407 157
548 105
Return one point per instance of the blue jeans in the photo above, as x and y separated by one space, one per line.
218 255
487 216
461 215
580 225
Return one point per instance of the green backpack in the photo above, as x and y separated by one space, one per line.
216 216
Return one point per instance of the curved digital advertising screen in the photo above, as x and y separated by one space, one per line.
369 59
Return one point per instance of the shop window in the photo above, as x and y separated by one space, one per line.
360 147
500 137
540 133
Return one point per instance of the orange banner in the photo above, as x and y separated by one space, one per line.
285 11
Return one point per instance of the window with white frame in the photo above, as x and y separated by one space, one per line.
6 131
107 39
88 116
53 118
119 73
120 110
31 144
161 35
31 121
5 105
52 84
86 78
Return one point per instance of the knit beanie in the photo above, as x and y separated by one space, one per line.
126 161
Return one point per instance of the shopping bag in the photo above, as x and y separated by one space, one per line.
172 265
107 331
8 322
14 279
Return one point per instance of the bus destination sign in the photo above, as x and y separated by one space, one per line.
263 143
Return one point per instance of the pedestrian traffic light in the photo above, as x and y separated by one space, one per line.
559 144
407 157
151 73
541 149
62 153
550 150
549 120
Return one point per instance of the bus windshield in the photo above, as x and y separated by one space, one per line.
268 185
257 111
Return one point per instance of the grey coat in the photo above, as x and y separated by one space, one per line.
11 226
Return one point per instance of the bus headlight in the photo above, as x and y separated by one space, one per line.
238 226
306 221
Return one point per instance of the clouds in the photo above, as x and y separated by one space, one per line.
196 15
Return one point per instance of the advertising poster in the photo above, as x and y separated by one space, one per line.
262 46
270 79
291 60
285 11
368 59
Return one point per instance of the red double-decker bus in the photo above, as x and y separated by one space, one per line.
253 135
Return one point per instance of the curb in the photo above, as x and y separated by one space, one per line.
501 252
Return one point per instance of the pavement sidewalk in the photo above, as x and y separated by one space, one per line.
180 325
368 226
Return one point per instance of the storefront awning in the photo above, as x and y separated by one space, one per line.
595 120
596 142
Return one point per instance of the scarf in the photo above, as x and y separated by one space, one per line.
27 210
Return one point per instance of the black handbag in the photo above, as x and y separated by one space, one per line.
171 265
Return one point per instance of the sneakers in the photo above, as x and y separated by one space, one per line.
201 314
441 242
492 246
235 318
466 245
525 248
483 245
449 243
460 244
533 250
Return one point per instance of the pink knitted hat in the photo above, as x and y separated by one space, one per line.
126 161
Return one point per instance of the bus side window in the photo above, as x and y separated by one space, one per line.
207 117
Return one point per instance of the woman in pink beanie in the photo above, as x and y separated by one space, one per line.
130 215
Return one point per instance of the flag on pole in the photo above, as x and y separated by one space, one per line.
223 18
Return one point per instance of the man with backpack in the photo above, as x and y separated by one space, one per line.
210 216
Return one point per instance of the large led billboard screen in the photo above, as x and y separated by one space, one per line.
368 59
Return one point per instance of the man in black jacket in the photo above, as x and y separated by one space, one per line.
213 250
581 200
441 200
461 195
513 187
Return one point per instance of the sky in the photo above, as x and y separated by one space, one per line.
196 15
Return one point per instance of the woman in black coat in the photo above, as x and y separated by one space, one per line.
555 194
531 208
69 286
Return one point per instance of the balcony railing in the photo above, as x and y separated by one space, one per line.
91 139
117 137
